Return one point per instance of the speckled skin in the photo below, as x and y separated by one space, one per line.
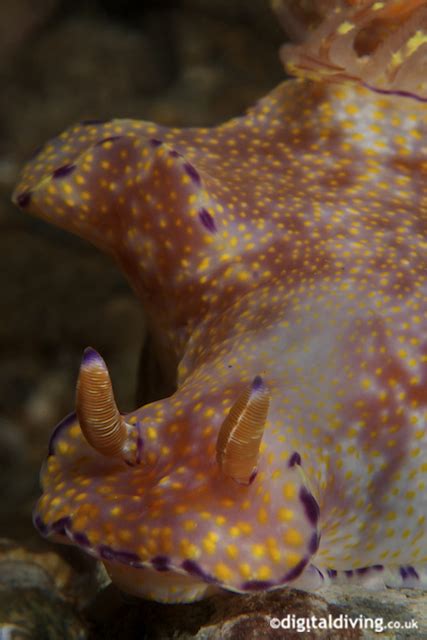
288 244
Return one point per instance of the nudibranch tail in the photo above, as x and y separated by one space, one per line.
100 420
241 433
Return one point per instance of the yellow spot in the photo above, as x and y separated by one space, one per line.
264 572
188 549
345 27
292 558
151 433
209 542
262 516
75 431
416 41
289 490
245 570
273 549
223 572
204 264
181 508
293 537
63 447
232 551
258 550
124 535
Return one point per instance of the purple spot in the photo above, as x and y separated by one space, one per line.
257 383
377 567
403 573
191 171
63 171
310 505
319 572
331 573
23 200
412 573
60 526
93 121
139 445
126 557
81 539
362 571
313 545
194 569
257 585
155 142
92 357
296 571
41 527
348 573
207 221
294 459
175 154
64 424
408 572
253 476
110 139
161 563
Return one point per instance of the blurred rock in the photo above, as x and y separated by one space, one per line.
18 22
219 75
40 595
22 568
254 13
229 616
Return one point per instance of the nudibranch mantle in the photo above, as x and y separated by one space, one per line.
281 259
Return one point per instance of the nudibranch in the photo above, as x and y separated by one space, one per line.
281 259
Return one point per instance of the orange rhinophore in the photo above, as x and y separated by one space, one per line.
100 420
240 436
